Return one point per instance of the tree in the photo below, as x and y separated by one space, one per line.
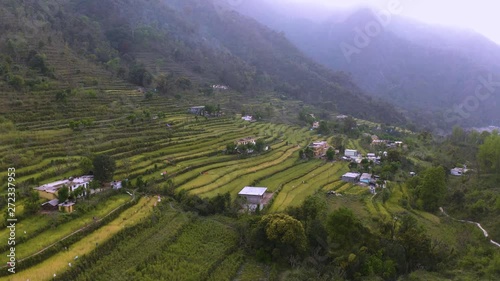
183 83
344 229
323 128
393 156
309 153
85 165
417 245
349 125
104 168
330 154
140 76
63 194
32 204
164 83
285 232
260 145
338 142
431 190
230 148
17 82
489 155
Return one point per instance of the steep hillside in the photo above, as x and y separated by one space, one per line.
427 69
173 45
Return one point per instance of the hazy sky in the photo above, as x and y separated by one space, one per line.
482 16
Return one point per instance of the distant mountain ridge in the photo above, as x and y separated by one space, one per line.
432 70
202 41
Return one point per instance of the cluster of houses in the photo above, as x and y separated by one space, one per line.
319 148
390 144
220 87
354 156
50 191
201 111
359 178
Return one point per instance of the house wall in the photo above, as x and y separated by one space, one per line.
47 195
348 179
253 199
66 209
48 207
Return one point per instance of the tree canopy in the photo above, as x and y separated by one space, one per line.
104 168
489 155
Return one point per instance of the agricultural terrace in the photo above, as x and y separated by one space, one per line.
146 137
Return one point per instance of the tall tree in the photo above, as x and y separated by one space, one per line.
104 168
32 204
63 194
432 189
85 165
330 154
285 233
489 155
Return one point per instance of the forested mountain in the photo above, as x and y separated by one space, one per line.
432 70
168 45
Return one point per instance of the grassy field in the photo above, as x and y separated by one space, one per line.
60 262
53 235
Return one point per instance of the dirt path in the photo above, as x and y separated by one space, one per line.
485 233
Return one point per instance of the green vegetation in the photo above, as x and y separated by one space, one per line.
70 110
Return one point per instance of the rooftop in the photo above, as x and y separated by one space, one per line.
53 202
366 176
249 190
54 186
351 175
67 204
318 143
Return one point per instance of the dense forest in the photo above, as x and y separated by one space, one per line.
170 45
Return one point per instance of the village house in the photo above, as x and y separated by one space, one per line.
376 142
253 195
351 153
116 184
371 156
49 190
51 205
315 125
351 177
366 178
248 118
458 171
197 110
319 148
220 87
67 207
246 141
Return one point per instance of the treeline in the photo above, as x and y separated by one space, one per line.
322 245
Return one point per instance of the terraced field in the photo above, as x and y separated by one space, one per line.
146 138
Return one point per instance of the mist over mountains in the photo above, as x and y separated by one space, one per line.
446 74
149 43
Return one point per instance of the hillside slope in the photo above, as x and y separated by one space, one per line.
428 69
173 45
